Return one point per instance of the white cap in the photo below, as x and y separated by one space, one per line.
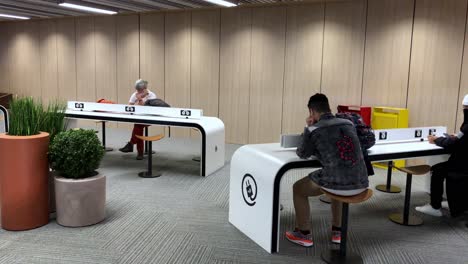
465 100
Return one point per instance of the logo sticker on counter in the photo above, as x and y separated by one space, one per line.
249 189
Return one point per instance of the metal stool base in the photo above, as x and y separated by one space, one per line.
152 152
108 149
412 220
197 159
145 174
324 199
392 189
334 257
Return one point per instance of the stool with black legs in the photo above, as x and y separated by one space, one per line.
339 256
405 218
389 188
149 173
103 132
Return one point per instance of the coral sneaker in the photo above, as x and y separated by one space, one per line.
298 238
336 237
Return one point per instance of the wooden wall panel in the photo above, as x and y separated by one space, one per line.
25 59
128 62
204 68
152 56
463 84
85 60
177 63
234 89
205 61
66 59
105 38
343 52
48 55
303 65
387 58
5 60
435 70
267 70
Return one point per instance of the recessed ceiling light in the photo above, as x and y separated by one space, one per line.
221 3
87 8
14 17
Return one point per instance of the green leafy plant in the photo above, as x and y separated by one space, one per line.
53 119
76 154
25 117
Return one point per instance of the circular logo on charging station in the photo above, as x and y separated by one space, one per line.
249 189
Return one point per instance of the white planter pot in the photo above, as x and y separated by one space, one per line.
80 202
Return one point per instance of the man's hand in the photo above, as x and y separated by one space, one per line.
309 120
432 139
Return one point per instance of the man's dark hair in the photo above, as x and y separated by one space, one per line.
319 103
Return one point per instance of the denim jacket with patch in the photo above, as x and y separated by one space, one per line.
334 142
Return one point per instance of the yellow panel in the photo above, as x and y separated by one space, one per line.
303 65
266 79
235 53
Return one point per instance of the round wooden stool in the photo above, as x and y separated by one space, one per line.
338 256
103 135
405 218
388 188
149 172
145 152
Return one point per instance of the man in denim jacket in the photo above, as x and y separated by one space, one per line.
334 142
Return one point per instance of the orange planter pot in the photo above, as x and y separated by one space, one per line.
24 181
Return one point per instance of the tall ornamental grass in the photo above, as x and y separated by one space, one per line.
25 117
29 117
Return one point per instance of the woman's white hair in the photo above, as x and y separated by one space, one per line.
141 84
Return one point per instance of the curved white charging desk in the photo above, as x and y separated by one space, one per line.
211 128
257 171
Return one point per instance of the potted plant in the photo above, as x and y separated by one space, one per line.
24 168
80 191
53 122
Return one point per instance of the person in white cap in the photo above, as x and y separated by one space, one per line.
458 146
139 97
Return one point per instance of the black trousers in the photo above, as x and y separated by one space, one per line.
439 174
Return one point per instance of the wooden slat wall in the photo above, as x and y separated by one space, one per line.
303 65
66 59
152 56
5 57
25 59
128 62
254 67
85 60
48 60
387 55
463 84
343 52
436 60
177 63
267 73
234 90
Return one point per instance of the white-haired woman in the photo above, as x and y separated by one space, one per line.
139 97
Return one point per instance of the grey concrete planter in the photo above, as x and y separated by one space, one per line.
80 202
